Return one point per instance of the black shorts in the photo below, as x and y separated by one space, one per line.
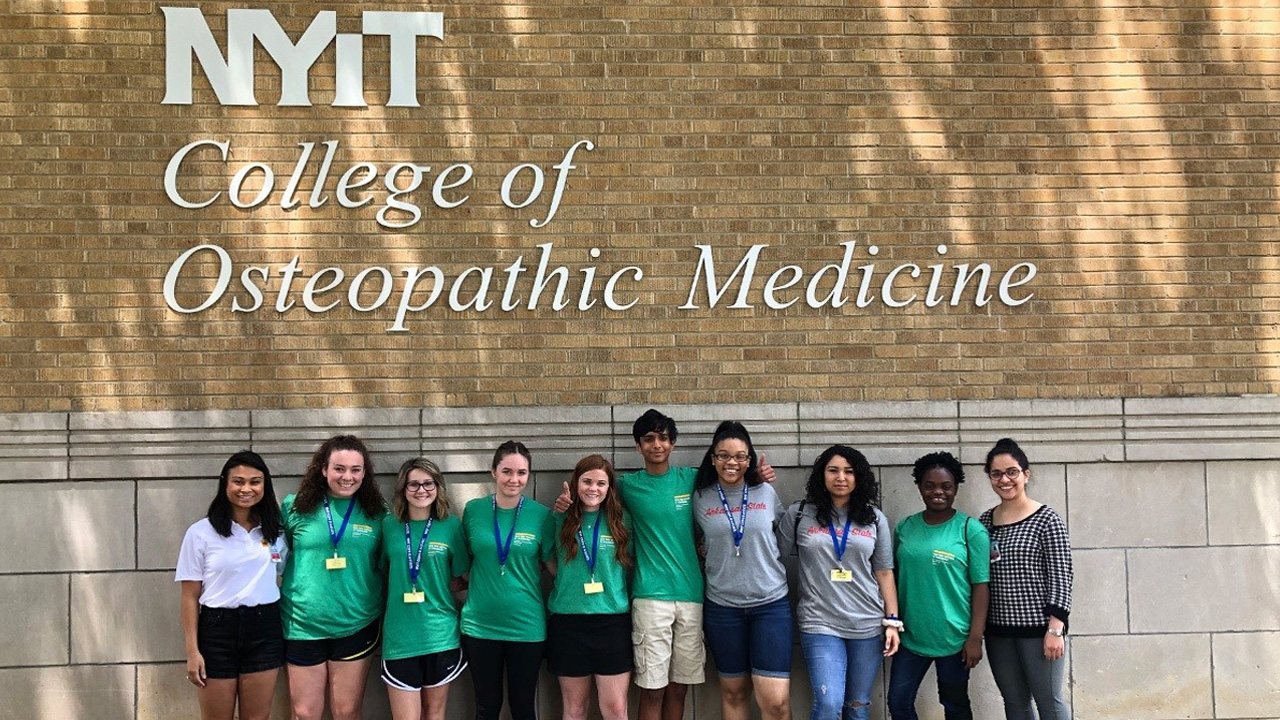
424 671
238 641
583 645
361 644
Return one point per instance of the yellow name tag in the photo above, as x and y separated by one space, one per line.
415 597
335 563
840 575
592 588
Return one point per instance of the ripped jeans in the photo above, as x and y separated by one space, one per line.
842 673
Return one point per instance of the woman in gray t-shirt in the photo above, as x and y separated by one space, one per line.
848 605
746 615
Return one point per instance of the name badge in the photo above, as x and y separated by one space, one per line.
841 575
592 588
335 563
415 597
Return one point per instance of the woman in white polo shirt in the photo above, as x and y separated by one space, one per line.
228 567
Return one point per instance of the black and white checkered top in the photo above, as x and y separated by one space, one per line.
1030 573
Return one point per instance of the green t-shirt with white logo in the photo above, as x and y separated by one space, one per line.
430 626
569 595
506 606
937 567
661 508
318 603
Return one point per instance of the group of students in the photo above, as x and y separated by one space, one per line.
645 567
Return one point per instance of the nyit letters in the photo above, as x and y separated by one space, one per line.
187 36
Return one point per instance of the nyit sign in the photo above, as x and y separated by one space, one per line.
188 38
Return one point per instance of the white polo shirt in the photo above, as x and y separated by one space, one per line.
237 571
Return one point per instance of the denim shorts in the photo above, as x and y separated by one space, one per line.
242 640
755 639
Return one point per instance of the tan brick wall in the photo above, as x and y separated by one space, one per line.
1129 152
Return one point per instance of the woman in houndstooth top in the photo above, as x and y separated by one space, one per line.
1030 591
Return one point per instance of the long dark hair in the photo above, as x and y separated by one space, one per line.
612 511
865 487
314 487
266 512
728 430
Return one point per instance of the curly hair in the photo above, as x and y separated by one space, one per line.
865 487
728 430
612 511
933 460
314 486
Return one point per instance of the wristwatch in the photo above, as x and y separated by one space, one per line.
1056 633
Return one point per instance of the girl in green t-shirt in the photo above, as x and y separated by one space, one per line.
422 541
504 623
943 558
333 584
589 632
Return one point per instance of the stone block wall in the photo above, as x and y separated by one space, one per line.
1171 507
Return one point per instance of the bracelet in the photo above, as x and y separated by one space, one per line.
892 621
1055 633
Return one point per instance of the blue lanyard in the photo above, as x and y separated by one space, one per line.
592 556
740 527
328 515
504 548
843 542
415 561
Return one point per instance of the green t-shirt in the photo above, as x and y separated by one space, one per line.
318 603
506 606
569 595
661 510
431 626
937 567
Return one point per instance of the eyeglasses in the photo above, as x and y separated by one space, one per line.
725 457
1010 473
420 486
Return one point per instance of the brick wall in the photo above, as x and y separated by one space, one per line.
1128 151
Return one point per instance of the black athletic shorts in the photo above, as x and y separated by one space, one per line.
361 644
424 671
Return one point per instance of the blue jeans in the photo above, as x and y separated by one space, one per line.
908 672
842 673
755 639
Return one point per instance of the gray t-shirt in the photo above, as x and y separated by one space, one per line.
757 576
844 609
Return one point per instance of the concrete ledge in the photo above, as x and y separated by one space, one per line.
773 429
1058 430
33 446
155 444
463 439
288 438
1217 428
888 433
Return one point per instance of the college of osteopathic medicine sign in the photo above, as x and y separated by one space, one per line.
523 283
